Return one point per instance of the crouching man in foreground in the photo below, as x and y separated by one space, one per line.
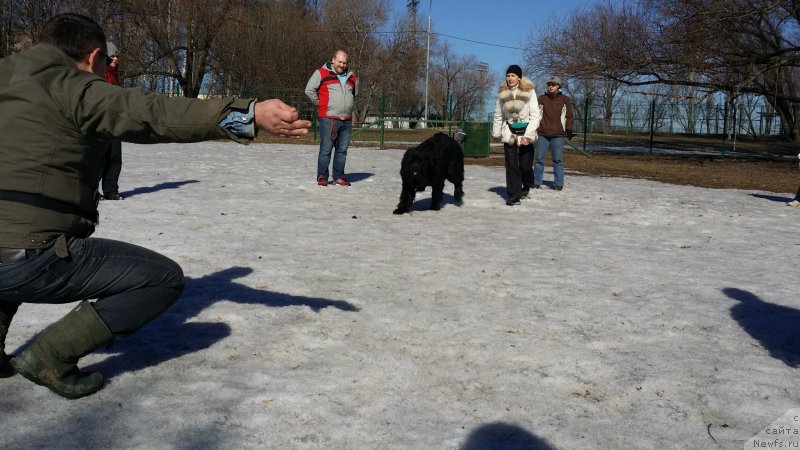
57 115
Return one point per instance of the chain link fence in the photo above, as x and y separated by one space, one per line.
678 117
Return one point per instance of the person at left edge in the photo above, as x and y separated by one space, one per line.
333 89
796 200
57 115
112 166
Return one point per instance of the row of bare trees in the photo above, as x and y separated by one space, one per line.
691 49
679 48
255 47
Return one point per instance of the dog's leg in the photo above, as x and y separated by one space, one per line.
406 199
458 191
437 194
455 175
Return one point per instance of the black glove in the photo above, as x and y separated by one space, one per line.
570 134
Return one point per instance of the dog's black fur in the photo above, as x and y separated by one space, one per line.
429 164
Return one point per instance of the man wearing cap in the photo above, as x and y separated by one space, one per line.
555 126
516 118
112 166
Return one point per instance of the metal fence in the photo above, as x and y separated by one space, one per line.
388 112
678 117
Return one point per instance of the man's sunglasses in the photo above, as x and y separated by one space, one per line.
108 58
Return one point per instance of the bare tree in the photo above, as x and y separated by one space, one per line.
740 47
264 47
175 40
730 46
6 30
459 84
565 47
23 21
402 57
352 25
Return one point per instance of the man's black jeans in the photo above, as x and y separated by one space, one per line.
132 284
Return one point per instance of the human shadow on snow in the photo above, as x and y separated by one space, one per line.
774 198
158 187
500 191
774 326
503 193
355 177
499 435
174 334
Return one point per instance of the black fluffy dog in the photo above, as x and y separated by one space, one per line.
429 164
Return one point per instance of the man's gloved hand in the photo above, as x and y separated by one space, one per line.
570 134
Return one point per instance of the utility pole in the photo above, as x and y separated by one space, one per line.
427 67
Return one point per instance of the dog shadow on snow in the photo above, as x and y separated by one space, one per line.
424 203
775 327
174 333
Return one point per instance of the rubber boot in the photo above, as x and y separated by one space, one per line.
51 360
7 311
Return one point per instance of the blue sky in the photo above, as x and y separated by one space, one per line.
487 29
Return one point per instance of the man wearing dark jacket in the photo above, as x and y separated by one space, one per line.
556 125
57 115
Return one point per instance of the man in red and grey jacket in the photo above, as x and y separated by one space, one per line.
333 88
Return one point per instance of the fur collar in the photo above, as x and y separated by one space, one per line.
525 84
513 106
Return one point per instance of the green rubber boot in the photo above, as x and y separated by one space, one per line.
7 311
51 360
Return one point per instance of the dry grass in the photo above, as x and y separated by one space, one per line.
725 173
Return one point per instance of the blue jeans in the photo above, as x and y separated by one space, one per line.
333 133
556 146
133 285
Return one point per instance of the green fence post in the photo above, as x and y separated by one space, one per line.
724 127
382 118
585 120
652 123
315 123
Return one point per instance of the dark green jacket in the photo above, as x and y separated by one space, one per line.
55 123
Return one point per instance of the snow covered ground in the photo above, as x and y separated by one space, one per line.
618 313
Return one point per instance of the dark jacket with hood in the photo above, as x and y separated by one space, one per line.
56 121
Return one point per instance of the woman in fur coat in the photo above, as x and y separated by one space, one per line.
516 118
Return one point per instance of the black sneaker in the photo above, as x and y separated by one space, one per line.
513 201
558 188
525 194
113 196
